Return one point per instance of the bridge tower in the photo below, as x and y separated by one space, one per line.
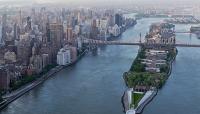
140 38
140 41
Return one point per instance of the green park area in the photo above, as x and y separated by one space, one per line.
136 97
146 79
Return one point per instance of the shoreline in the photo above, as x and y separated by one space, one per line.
28 87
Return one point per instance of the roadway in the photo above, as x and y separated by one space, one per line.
100 42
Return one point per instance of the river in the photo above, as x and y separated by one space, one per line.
95 84
181 93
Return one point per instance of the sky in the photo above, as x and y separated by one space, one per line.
102 2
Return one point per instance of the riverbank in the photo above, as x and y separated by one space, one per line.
8 98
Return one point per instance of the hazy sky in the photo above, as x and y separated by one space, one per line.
103 2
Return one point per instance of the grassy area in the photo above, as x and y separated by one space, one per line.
136 97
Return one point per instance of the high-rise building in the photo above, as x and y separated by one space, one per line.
16 31
79 17
111 20
118 19
64 56
4 26
55 35
69 34
94 30
73 51
23 52
28 24
20 17
103 23
55 38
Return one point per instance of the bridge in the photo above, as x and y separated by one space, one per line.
182 32
101 42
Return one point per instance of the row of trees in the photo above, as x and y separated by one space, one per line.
172 53
137 66
27 79
17 84
146 79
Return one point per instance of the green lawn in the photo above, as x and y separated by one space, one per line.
136 97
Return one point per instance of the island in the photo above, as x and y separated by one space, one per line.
151 68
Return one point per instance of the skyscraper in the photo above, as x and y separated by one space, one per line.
55 38
118 19
55 34
4 24
29 24
69 34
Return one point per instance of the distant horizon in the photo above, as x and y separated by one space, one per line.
100 2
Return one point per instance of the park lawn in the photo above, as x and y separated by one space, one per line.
136 97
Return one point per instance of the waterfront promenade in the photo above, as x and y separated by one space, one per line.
10 97
21 91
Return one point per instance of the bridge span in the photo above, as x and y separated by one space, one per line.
101 42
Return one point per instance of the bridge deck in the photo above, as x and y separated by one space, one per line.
100 42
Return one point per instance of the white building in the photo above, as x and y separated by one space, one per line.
77 29
116 30
103 23
103 34
79 43
64 56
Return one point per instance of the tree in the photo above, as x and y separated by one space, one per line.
164 69
139 67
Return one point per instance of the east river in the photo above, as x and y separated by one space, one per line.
95 84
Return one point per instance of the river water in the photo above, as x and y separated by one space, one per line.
95 84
